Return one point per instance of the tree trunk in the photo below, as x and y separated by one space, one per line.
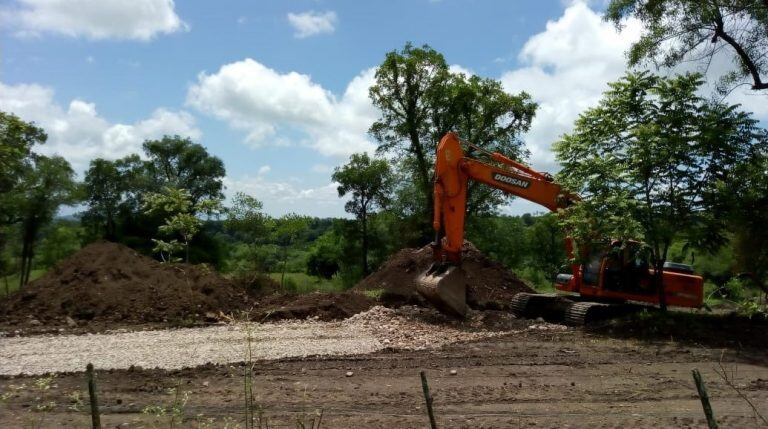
186 247
23 261
285 262
364 219
658 278
421 161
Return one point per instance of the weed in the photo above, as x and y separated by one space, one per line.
373 293
173 412
729 377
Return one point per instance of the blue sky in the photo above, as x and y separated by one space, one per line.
278 90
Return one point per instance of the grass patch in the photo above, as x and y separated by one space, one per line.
304 283
13 280
373 293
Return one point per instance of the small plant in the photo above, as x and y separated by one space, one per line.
75 401
173 412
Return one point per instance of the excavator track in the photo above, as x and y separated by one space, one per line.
533 305
581 313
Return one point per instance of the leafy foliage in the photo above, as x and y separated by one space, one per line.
369 184
676 31
181 219
648 160
420 100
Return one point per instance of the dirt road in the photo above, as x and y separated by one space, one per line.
533 378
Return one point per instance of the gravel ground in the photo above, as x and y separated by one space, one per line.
367 332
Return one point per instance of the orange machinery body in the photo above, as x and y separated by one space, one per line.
453 170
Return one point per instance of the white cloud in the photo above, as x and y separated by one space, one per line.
97 19
567 67
79 133
281 197
265 103
455 68
307 24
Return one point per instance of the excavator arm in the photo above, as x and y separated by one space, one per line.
444 284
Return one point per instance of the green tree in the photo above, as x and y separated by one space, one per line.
744 202
246 218
16 140
676 31
46 186
60 239
369 184
546 245
325 255
420 100
409 84
177 162
647 159
287 231
181 218
106 185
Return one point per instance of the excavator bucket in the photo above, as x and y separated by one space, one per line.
445 287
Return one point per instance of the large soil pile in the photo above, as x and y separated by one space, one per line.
108 282
489 284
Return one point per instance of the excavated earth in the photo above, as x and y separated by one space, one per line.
354 363
108 283
531 375
490 285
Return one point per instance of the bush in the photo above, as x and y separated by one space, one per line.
734 289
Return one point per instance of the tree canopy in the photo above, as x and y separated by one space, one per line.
420 100
693 30
648 160
369 185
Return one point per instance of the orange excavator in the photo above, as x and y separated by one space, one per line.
611 272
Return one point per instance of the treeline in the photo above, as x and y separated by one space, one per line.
654 161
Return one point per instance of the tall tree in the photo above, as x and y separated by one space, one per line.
410 84
647 160
247 219
369 183
694 30
16 140
420 99
177 162
287 231
103 187
47 185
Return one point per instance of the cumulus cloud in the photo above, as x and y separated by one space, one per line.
79 133
281 196
566 69
97 19
307 24
263 103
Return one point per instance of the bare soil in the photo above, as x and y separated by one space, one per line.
490 285
320 306
539 377
110 283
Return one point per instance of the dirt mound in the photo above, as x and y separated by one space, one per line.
110 282
489 284
324 306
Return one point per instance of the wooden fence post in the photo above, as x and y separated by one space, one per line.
704 399
428 399
95 418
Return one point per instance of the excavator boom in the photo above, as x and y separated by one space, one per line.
614 275
444 284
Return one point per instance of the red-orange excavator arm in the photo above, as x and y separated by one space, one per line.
453 170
